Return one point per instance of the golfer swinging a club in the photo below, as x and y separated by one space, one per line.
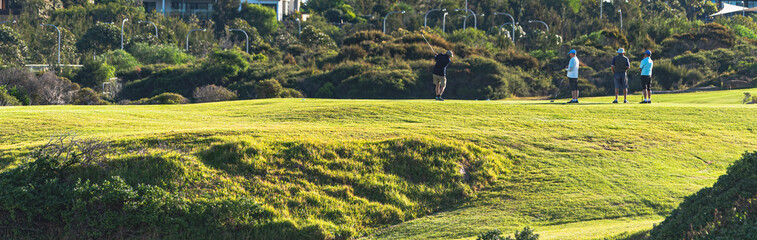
440 73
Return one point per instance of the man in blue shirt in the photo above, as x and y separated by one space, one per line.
646 77
572 69
440 73
620 66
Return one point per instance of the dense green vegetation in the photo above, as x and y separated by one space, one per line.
341 54
335 169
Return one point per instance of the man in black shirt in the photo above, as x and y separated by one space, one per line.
620 66
440 73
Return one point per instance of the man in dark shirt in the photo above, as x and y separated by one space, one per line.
620 66
440 73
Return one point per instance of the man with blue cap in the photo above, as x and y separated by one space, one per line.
646 77
572 69
620 66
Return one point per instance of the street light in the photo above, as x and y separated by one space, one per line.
475 19
299 26
466 19
153 24
56 28
190 32
620 12
387 15
425 18
4 22
122 32
444 22
512 34
535 21
246 37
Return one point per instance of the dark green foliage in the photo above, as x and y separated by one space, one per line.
708 37
517 59
163 98
526 234
94 73
727 210
100 38
224 11
270 88
6 99
12 47
495 234
224 65
87 96
261 18
670 76
314 38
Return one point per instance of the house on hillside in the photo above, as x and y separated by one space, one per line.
746 3
203 9
7 7
282 7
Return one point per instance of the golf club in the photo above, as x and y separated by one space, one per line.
429 44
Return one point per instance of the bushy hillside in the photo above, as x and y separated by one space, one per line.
727 210
270 190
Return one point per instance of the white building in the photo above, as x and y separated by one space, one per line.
282 7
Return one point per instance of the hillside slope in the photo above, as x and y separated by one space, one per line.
571 171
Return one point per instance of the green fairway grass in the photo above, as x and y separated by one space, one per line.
583 171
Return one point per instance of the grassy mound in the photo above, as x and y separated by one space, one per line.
727 210
270 190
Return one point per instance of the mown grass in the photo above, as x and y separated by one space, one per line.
570 171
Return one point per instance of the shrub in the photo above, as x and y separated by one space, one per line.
12 47
517 59
352 53
673 77
379 84
526 234
121 60
6 99
87 96
154 54
213 93
94 73
269 88
727 210
163 98
223 65
366 36
495 234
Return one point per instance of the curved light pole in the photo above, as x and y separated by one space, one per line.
425 18
620 12
387 15
56 28
153 24
536 21
512 20
4 22
444 22
299 26
475 19
190 32
246 37
122 32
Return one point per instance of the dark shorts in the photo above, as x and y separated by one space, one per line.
573 84
646 82
621 81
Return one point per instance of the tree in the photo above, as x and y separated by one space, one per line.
100 38
223 12
260 17
313 37
94 73
12 47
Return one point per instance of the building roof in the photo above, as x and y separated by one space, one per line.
729 8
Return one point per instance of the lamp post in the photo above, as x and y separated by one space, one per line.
4 22
620 12
153 24
536 21
122 32
425 18
387 15
299 26
475 19
444 22
246 37
56 28
512 20
466 19
190 32
502 27
600 8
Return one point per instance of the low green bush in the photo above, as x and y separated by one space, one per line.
154 54
163 98
6 99
727 210
87 96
